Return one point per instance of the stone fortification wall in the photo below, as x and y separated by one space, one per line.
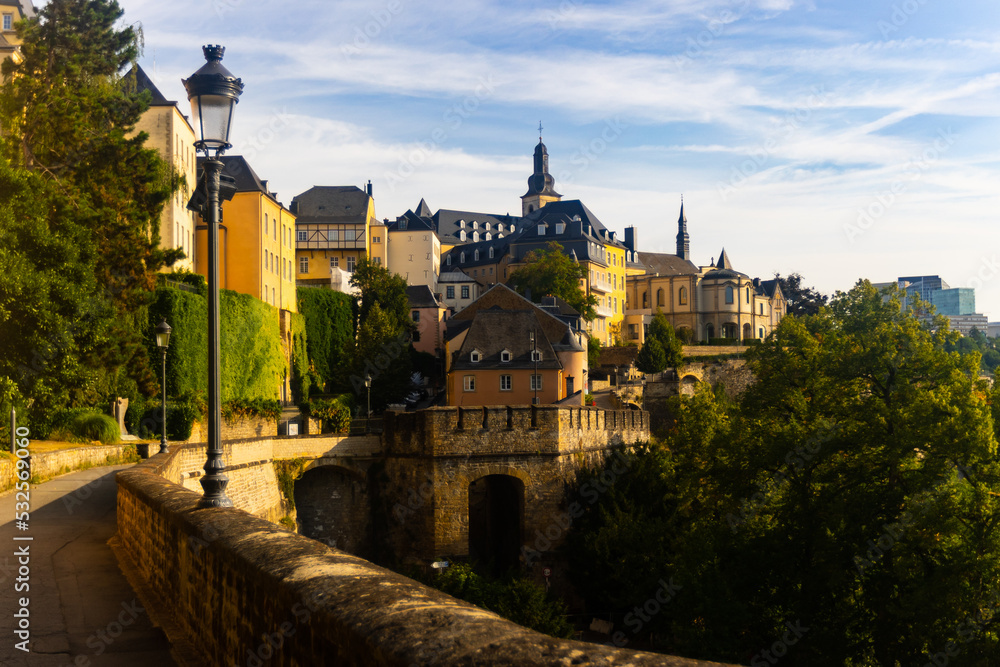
235 589
45 465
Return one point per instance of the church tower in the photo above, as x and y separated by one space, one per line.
541 185
683 240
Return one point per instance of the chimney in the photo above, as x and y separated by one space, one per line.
630 238
368 188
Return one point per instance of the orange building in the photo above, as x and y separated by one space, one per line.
505 350
256 240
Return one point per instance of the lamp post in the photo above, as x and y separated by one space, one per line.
213 92
368 416
163 341
534 357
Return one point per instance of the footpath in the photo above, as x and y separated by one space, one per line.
81 608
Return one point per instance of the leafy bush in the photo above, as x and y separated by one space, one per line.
517 599
329 334
335 412
303 377
61 426
256 408
723 341
100 427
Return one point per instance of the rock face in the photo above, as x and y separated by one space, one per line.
733 374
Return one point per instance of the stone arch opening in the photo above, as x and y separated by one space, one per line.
496 522
747 332
332 507
730 330
688 385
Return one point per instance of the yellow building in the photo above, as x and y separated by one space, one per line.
12 11
414 250
332 231
171 135
256 240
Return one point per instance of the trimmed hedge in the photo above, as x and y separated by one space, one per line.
329 326
303 378
335 412
252 360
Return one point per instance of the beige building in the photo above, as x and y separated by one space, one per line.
701 302
171 135
12 11
414 250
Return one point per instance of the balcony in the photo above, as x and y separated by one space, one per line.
602 286
604 311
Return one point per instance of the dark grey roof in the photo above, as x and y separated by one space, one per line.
469 252
331 203
423 210
494 330
723 262
455 276
667 265
246 178
722 274
541 182
768 287
448 225
410 221
143 82
420 296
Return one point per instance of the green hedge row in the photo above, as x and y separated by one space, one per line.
252 361
329 327
334 412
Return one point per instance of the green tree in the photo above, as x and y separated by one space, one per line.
651 357
381 287
382 352
552 272
801 300
593 352
67 120
661 330
853 490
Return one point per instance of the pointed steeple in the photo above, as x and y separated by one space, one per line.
683 240
423 210
541 185
723 262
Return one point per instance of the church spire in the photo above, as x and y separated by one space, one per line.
683 240
541 185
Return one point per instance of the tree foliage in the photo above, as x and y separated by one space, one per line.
91 222
801 300
661 348
551 272
852 490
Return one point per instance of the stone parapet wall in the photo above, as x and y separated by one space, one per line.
45 465
510 430
231 586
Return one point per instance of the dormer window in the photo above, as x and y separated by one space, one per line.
560 227
448 260
461 223
461 235
461 258
491 253
536 355
475 237
488 237
499 236
541 230
475 225
505 356
500 227
475 357
476 255
487 226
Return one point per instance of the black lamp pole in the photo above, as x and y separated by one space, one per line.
368 417
534 357
162 341
214 93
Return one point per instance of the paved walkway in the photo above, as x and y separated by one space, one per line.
82 610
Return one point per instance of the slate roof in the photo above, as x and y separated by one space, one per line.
667 265
768 287
499 246
455 277
331 203
143 82
504 298
494 330
410 221
618 356
447 223
246 178
420 296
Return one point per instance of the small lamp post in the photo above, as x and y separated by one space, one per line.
368 416
214 93
534 357
163 341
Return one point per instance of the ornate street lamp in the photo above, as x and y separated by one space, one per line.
213 92
368 386
163 341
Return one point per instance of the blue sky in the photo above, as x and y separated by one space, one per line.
841 139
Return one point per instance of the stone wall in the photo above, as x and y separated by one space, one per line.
732 373
45 465
238 590
238 429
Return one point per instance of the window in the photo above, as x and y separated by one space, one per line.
274 264
536 355
491 253
475 357
350 264
333 234
274 301
265 224
476 254
461 258
378 261
450 292
761 331
645 300
275 227
461 235
541 230
505 356
682 296
560 227
729 293
376 239
505 383
265 260
448 260
465 291
475 225
303 265
8 21
500 227
487 226
461 223
761 309
488 237
411 258
536 382
748 294
415 337
469 382
302 236
659 297
615 306
334 262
